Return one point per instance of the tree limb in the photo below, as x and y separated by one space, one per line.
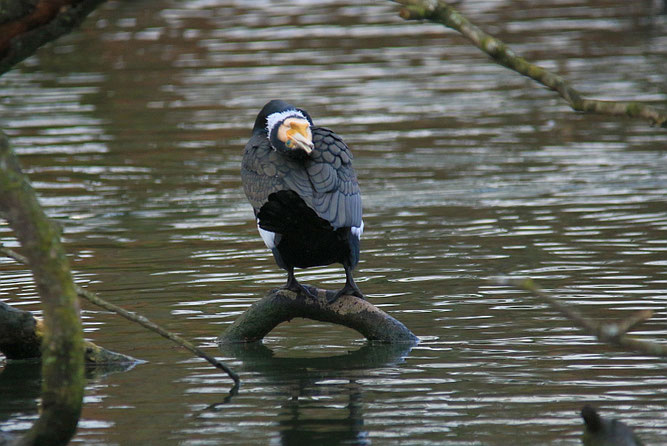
282 305
146 323
25 25
62 344
609 333
440 11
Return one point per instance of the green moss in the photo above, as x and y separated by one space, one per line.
633 109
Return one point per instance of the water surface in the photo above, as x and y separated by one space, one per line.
131 131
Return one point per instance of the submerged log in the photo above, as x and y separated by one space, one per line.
21 336
283 305
18 334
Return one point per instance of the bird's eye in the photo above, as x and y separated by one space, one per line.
288 143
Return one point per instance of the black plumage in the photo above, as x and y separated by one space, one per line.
304 192
601 431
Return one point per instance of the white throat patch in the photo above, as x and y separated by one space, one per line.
275 118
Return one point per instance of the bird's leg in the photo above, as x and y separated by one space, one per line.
350 287
293 285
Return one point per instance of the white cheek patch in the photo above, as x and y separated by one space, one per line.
275 118
268 237
358 230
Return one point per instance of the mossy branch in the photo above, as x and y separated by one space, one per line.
62 342
439 11
282 305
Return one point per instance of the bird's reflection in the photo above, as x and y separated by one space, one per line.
313 412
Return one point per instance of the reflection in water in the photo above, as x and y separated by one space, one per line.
132 132
297 427
20 386
308 416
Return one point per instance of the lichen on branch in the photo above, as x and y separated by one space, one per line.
439 11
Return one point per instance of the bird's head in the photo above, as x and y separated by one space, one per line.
287 127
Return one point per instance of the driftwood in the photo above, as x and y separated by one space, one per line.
21 337
283 305
440 11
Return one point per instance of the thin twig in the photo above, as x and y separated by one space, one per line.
440 11
139 319
610 333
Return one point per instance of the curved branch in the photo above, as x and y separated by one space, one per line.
62 344
440 11
282 305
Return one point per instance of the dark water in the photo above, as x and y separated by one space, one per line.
132 130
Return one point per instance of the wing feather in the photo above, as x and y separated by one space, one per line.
326 181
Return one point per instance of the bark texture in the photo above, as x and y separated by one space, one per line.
62 344
18 334
282 305
21 338
25 25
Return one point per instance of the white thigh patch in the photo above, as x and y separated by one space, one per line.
358 230
268 237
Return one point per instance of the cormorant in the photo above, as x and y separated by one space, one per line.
300 182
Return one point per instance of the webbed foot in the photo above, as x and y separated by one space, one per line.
293 285
350 288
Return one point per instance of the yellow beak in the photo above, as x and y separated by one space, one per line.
299 135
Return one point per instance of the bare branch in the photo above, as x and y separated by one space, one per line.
146 323
610 333
139 319
21 338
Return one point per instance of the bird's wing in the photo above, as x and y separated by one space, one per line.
264 171
326 180
336 196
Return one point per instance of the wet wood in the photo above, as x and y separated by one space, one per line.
21 335
350 311
96 355
62 335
